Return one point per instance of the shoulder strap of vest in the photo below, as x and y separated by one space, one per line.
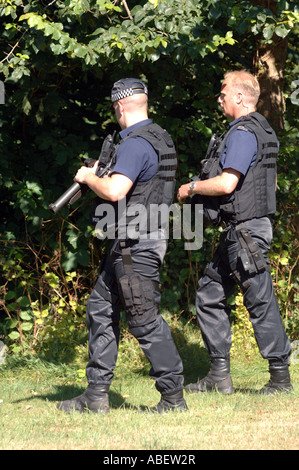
261 120
248 122
152 132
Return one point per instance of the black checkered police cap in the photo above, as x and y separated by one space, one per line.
127 87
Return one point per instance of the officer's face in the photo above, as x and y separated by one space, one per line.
119 113
227 99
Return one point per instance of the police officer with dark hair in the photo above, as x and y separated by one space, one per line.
237 185
143 175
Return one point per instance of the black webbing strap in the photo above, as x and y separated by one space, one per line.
130 283
126 256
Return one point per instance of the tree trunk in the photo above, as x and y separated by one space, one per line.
268 66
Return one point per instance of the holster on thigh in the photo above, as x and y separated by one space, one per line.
251 260
140 295
250 254
139 299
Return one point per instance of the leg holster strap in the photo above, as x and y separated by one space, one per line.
126 256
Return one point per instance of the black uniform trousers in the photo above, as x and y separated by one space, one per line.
221 275
136 292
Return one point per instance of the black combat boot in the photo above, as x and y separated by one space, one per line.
170 402
94 399
217 379
279 382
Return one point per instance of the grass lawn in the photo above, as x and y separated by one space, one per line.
29 419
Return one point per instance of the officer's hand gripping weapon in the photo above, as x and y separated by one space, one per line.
77 189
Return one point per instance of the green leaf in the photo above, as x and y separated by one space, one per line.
12 323
26 105
25 315
80 51
215 12
53 279
23 301
268 31
10 295
26 326
14 335
281 31
139 15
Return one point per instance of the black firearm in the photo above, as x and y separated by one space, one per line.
77 189
209 168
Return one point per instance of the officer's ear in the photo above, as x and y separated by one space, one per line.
120 106
239 98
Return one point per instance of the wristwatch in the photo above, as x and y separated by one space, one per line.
191 187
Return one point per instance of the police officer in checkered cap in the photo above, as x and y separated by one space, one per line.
143 175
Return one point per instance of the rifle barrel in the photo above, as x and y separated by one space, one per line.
65 198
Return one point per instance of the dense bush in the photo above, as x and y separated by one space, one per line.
59 61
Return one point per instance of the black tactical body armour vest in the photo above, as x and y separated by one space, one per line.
159 190
254 195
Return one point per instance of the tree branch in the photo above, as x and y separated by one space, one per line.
13 48
127 9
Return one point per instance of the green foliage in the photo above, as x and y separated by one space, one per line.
44 306
243 340
58 63
284 255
